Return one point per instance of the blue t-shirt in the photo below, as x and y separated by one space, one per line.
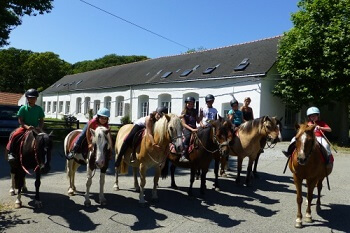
237 117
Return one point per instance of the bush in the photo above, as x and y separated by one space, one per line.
125 120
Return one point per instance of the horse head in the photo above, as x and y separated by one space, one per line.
305 142
175 131
223 134
42 148
102 147
271 126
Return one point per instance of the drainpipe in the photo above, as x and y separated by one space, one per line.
57 105
130 108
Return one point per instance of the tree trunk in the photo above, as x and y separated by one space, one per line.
343 139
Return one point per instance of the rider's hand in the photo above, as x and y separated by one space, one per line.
30 127
194 130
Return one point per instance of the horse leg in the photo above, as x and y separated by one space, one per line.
249 172
198 174
310 190
142 184
70 174
87 201
116 182
319 189
12 190
255 173
155 184
239 170
193 174
203 181
298 185
136 182
172 171
103 200
38 203
19 179
223 163
216 172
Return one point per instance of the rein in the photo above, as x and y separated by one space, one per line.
200 142
25 135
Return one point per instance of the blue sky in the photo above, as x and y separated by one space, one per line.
76 31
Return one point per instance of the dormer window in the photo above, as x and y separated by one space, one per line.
185 73
242 65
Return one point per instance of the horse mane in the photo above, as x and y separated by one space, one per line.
160 128
248 126
102 129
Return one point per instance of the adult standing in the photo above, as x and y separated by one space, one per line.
246 110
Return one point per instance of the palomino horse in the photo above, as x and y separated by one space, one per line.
166 130
247 141
264 143
97 158
34 153
210 142
307 162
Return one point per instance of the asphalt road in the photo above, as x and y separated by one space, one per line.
269 205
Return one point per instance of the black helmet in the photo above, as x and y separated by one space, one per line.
233 101
209 98
162 109
32 93
190 99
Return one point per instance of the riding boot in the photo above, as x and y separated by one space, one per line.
11 158
71 153
184 155
290 150
121 154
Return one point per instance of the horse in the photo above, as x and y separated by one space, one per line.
308 162
166 130
210 143
97 158
34 153
247 142
263 143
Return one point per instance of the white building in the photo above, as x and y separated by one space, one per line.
135 89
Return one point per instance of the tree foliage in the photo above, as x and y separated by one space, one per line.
104 62
12 11
314 56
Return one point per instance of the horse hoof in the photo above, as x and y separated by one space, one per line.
87 203
137 189
174 186
24 189
18 205
70 192
12 192
308 219
116 188
217 189
298 225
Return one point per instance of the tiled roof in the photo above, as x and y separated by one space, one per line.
262 55
7 98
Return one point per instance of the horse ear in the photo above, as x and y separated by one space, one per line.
167 117
106 131
296 126
220 118
92 131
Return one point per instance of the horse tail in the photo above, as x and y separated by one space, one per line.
123 167
165 170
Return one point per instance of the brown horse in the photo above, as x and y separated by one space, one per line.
34 152
97 158
247 141
307 162
210 142
166 130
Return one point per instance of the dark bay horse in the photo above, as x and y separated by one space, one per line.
34 153
247 142
97 158
210 143
165 131
308 162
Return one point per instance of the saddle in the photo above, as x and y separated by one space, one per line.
193 144
83 147
323 153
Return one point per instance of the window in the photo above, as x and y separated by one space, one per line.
242 65
67 109
107 102
185 73
48 106
119 106
78 107
86 105
60 106
44 106
144 109
97 105
209 70
290 118
166 74
168 105
54 106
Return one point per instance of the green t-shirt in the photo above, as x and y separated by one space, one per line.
31 115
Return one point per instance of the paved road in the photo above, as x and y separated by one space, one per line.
268 206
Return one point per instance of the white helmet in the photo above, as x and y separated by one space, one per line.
312 110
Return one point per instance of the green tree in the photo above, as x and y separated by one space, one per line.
12 11
12 77
43 69
314 58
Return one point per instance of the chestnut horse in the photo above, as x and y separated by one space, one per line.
307 162
210 143
247 141
166 130
97 158
34 153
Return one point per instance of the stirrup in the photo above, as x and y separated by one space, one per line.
70 155
183 159
10 157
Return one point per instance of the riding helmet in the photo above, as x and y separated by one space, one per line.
190 99
32 93
233 101
312 110
104 112
162 109
209 98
